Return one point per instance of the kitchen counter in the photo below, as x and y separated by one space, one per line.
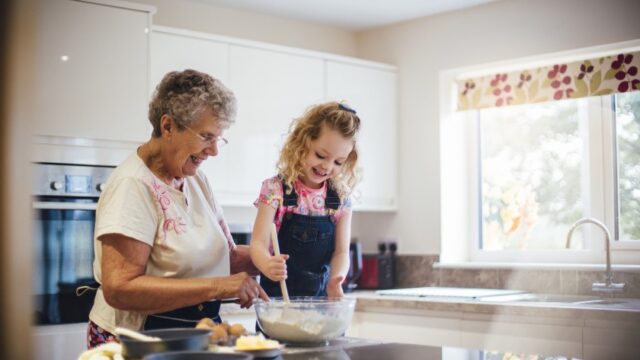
580 329
575 328
362 349
626 310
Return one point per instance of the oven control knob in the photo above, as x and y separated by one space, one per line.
56 185
100 187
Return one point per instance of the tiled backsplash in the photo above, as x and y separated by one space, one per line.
418 270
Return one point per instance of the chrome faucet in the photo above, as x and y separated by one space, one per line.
608 286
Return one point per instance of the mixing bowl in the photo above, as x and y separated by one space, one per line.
304 319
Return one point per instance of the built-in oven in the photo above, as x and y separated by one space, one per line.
64 202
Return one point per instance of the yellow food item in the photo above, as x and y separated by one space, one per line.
205 323
257 342
236 330
226 325
218 335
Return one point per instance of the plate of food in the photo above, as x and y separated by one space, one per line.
234 338
258 346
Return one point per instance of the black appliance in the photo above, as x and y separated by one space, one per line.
64 202
241 233
355 266
378 270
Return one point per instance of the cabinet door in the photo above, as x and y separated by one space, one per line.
372 93
93 69
176 52
272 89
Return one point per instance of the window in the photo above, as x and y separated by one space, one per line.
515 178
627 121
530 159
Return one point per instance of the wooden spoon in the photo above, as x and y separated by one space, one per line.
276 250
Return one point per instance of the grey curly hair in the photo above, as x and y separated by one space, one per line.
184 95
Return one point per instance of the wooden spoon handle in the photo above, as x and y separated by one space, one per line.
276 250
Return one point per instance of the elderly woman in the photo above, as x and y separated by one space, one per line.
164 253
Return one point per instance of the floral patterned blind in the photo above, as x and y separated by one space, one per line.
594 77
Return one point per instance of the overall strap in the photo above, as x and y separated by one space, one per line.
332 200
289 199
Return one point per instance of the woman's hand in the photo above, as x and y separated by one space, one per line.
334 287
277 267
242 286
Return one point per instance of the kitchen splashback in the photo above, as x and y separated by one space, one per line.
418 271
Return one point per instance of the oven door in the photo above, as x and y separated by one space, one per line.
63 258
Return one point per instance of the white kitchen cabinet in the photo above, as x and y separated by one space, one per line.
274 85
175 51
92 69
371 91
272 89
544 335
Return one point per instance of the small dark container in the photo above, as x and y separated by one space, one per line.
172 340
196 355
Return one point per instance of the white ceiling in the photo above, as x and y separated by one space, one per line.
350 14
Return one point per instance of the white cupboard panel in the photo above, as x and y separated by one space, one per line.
93 66
372 93
174 52
272 89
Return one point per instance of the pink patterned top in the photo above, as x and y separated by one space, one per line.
310 201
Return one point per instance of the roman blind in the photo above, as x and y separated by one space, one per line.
591 77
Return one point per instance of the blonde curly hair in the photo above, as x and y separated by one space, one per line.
304 130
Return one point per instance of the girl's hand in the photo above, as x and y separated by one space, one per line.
277 267
334 287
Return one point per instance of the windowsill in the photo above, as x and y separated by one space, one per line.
534 266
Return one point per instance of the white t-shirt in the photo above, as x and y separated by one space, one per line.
186 230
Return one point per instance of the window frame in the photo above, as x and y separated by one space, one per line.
461 217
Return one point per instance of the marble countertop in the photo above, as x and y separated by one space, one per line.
618 310
368 301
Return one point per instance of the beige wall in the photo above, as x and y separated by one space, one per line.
503 30
198 16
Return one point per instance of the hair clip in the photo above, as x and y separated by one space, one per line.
346 108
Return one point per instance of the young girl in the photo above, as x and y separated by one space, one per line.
309 203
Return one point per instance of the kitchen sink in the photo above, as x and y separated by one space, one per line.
551 298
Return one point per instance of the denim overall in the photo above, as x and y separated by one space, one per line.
309 241
186 317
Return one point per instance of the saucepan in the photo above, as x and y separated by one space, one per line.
177 339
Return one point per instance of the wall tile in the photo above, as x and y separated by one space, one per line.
568 282
472 278
538 281
416 271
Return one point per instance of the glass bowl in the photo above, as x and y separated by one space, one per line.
305 319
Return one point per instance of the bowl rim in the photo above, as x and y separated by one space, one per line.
278 300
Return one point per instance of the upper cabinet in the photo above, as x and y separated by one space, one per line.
275 85
173 51
371 90
272 89
93 64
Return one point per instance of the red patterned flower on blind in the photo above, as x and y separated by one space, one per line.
625 75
